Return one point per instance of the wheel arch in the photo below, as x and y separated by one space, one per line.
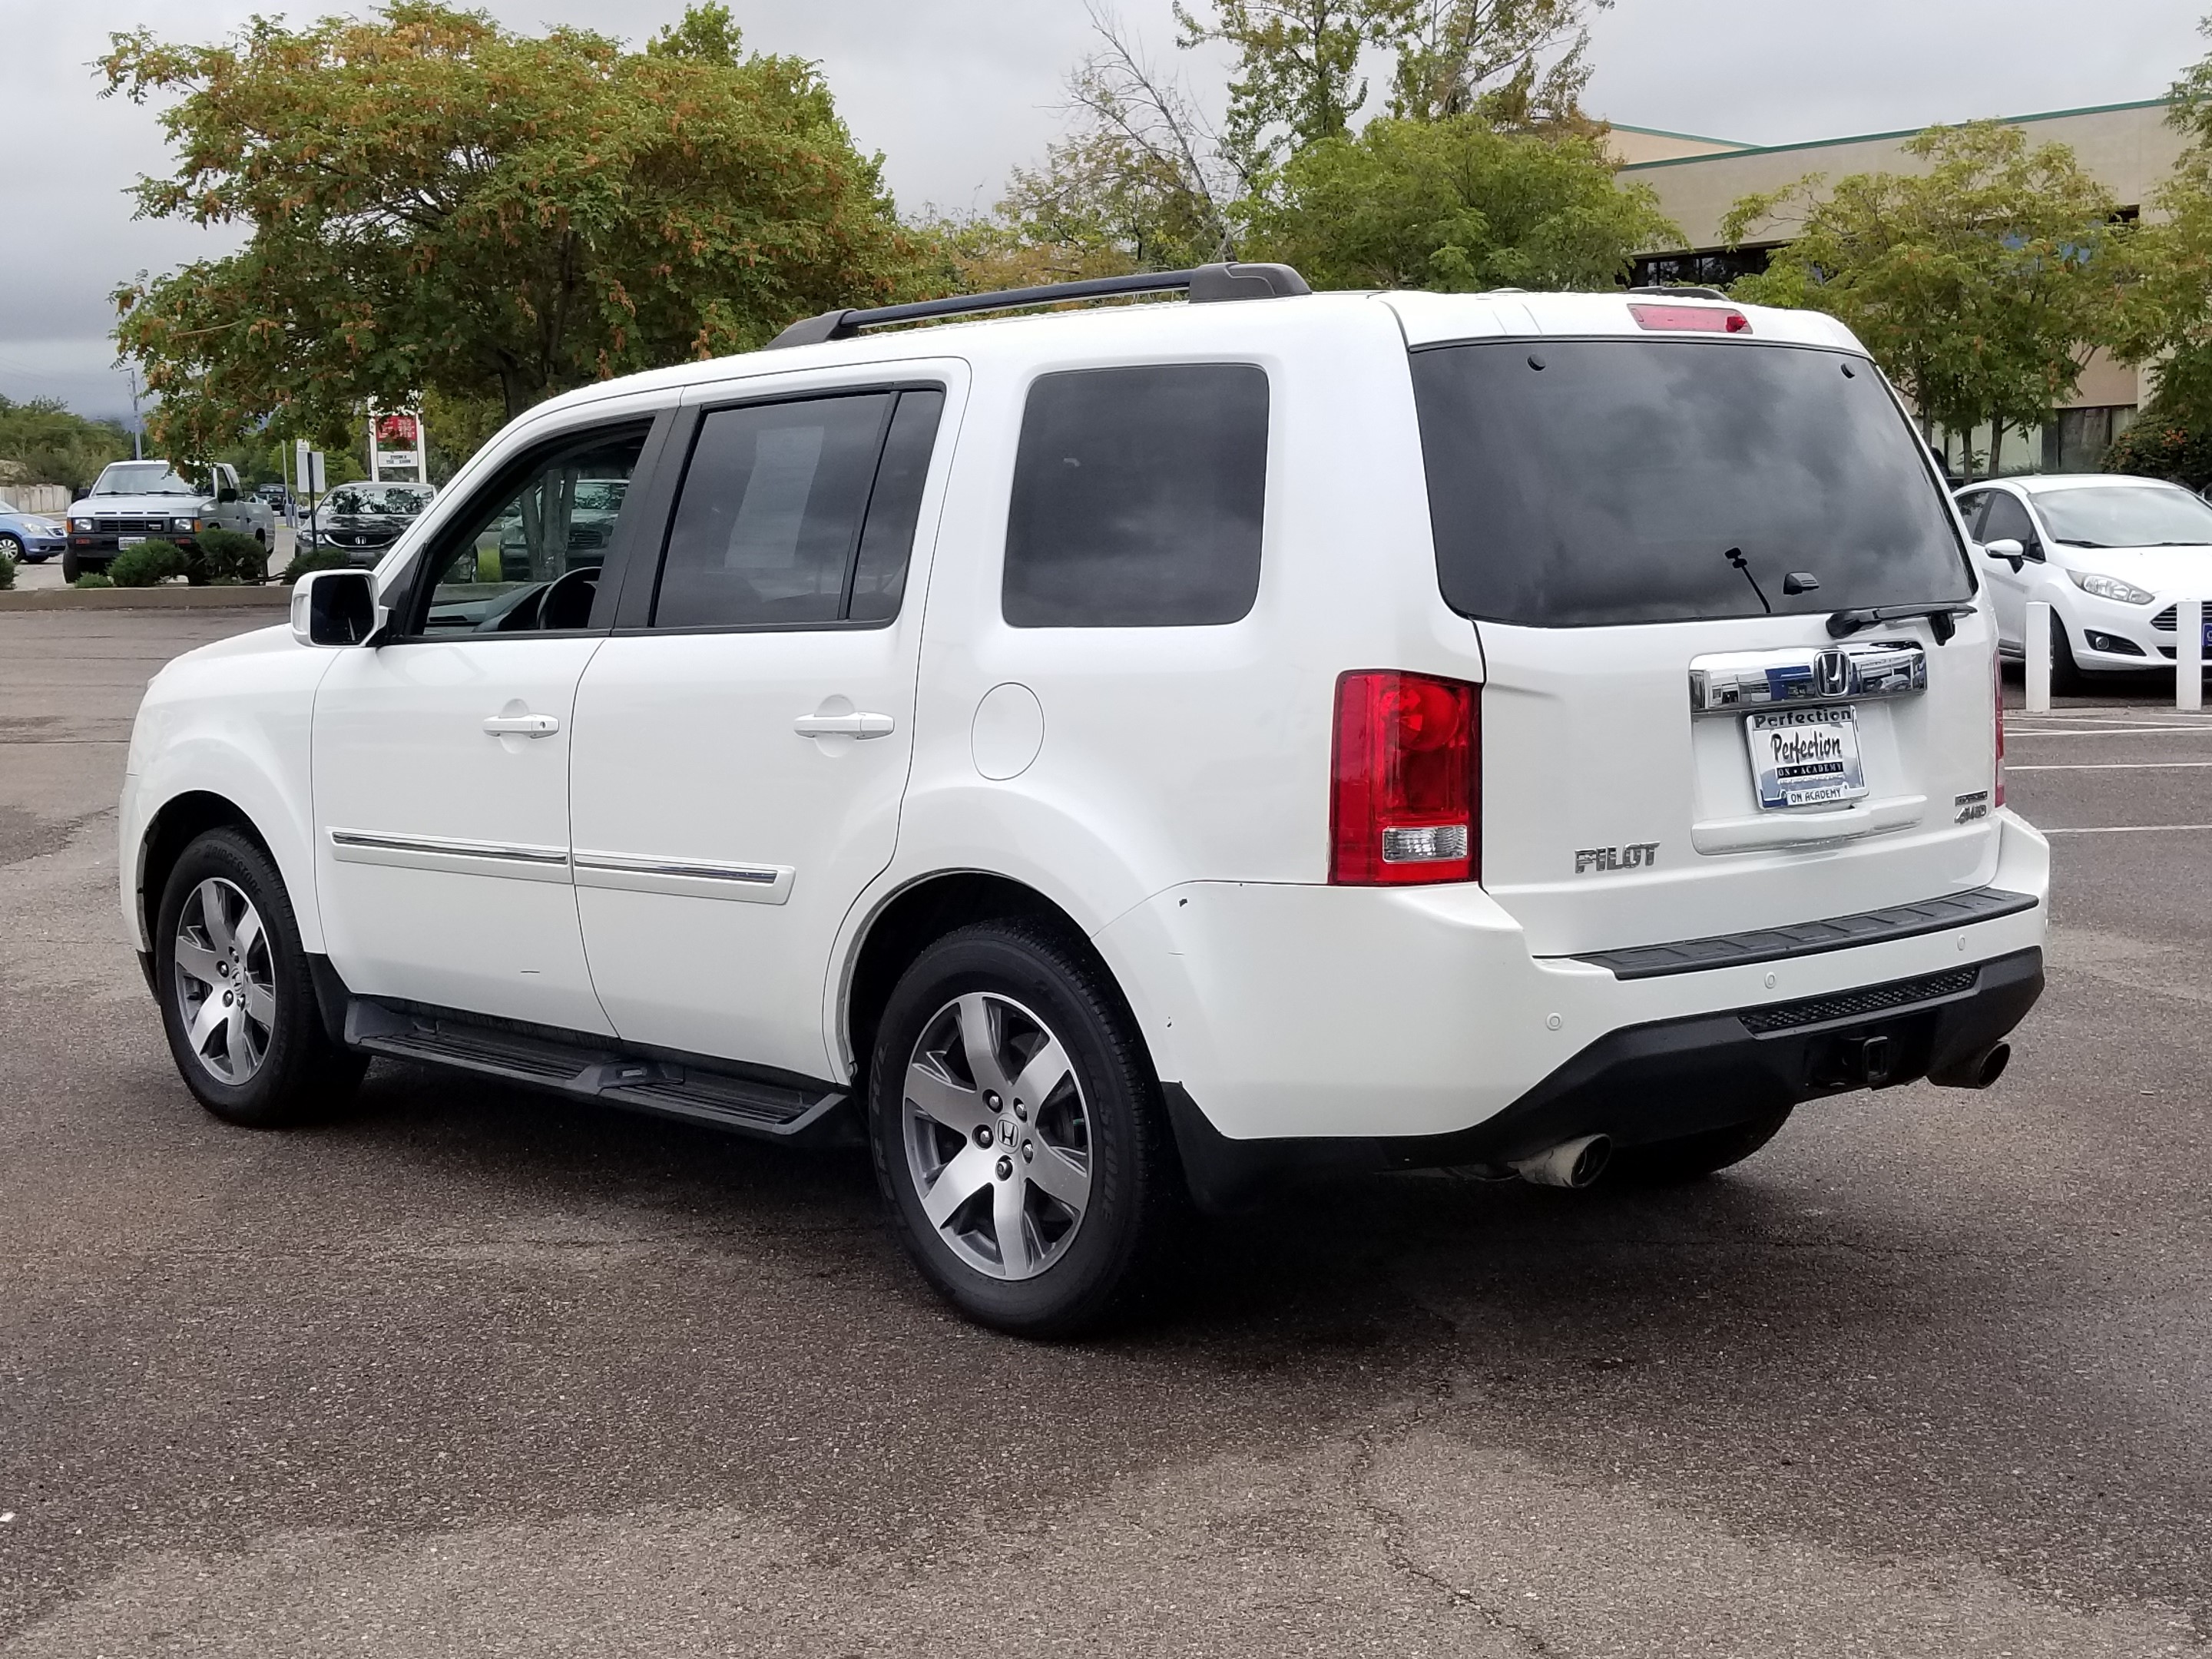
179 822
904 924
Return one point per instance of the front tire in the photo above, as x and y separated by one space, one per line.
11 547
2067 679
72 567
237 1000
1018 1132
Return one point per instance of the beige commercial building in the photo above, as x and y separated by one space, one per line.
2130 148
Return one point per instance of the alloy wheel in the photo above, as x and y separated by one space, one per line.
998 1135
225 981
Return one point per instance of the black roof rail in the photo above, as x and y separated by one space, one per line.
1679 291
1204 285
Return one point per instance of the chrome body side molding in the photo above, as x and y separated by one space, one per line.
468 858
747 883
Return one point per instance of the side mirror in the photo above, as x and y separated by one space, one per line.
225 497
2009 548
336 607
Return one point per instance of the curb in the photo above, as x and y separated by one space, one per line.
275 597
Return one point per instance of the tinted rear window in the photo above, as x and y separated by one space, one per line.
1137 497
1573 483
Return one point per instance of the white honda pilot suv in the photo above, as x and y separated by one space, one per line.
1129 757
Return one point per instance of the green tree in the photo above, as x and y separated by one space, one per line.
1453 204
438 205
1980 285
2166 321
1522 64
1297 81
53 445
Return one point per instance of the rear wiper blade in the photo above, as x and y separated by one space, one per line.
1844 624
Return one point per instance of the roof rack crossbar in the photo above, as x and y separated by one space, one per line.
1203 284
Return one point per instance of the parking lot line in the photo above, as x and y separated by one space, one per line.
2110 766
2126 829
2015 730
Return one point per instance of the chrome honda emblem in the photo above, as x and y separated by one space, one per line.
1832 673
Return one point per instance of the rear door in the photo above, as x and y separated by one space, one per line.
742 745
1651 535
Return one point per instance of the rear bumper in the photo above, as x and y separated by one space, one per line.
1290 1011
1650 1082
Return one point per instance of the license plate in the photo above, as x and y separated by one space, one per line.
1805 757
128 541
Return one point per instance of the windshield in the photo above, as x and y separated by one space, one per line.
381 500
1578 482
143 479
2125 515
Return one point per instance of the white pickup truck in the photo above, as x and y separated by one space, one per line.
132 501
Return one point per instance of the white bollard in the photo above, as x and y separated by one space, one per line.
2035 640
2189 654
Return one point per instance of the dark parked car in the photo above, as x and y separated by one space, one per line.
361 520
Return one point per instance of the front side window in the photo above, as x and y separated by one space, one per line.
800 512
1580 482
1138 498
2006 519
525 555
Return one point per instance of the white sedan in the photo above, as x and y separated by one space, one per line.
2112 556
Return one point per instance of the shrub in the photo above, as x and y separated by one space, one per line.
92 579
225 555
321 558
7 573
144 565
2158 446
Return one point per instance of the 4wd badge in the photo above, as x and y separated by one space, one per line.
1637 855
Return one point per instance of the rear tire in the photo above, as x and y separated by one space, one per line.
237 1000
1692 1158
1041 1215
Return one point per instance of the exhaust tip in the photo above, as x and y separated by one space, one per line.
1992 1066
1978 1072
1574 1163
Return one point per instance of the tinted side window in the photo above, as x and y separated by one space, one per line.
2007 517
1970 508
1138 498
771 513
887 541
525 555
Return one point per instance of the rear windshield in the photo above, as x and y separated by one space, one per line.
1573 482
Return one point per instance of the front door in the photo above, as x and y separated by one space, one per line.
740 758
441 756
2009 587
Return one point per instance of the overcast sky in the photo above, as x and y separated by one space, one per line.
953 92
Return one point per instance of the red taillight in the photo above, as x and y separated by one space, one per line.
1406 780
1997 688
1700 319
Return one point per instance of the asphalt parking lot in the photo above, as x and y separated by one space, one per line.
475 1371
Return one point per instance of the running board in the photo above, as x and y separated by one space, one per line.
666 1087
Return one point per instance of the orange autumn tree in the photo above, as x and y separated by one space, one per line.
435 204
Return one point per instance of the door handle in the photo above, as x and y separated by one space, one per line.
522 725
843 725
